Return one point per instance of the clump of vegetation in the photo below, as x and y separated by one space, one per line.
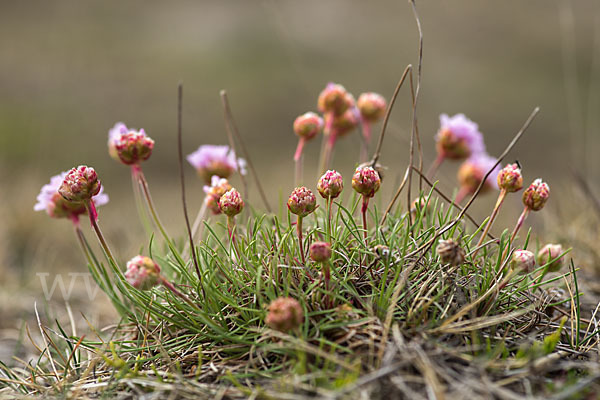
405 302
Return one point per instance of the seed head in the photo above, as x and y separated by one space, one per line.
510 178
536 195
548 253
450 252
142 273
523 261
320 251
308 125
302 202
334 99
285 314
134 147
366 181
231 203
80 184
330 185
372 106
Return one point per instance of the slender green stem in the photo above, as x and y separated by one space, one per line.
91 209
329 202
499 202
151 208
299 230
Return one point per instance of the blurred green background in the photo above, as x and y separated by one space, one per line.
70 69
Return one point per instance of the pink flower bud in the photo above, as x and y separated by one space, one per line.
536 195
450 252
285 314
320 251
56 206
219 186
333 99
330 185
458 137
231 203
302 202
366 181
372 106
510 178
80 184
472 172
345 123
523 261
548 253
308 125
134 147
142 273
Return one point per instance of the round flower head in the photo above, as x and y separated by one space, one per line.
345 123
133 147
536 195
523 261
371 106
308 125
56 206
113 135
510 178
80 184
330 185
548 253
472 171
212 160
333 99
285 314
366 181
231 203
302 202
421 203
219 186
458 137
320 251
450 252
142 273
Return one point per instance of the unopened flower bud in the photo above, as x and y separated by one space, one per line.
366 181
142 273
302 202
450 252
510 178
372 106
133 147
345 123
548 253
285 314
320 251
536 195
231 203
330 185
308 125
421 204
333 99
219 186
80 184
522 261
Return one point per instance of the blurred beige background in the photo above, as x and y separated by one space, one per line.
70 69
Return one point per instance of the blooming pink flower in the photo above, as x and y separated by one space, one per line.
56 206
114 134
458 137
474 169
217 160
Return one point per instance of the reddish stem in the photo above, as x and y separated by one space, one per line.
176 292
436 164
299 148
462 193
